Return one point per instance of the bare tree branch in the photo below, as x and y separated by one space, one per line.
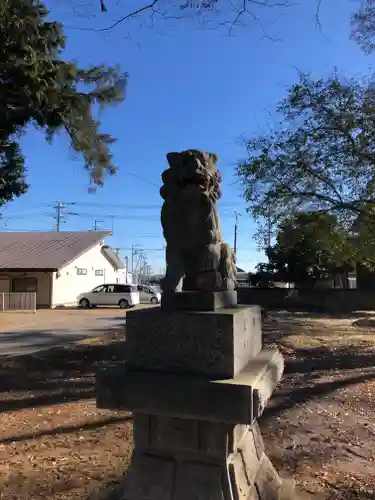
134 13
199 7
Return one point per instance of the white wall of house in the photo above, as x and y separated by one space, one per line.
70 281
128 277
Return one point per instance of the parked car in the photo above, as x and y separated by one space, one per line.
120 295
148 295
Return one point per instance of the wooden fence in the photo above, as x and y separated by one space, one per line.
18 301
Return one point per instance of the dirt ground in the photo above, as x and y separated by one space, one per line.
56 318
319 427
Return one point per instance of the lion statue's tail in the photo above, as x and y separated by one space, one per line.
227 266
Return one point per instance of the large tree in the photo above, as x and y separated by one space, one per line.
321 156
311 247
38 87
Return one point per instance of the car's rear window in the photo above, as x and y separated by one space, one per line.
126 288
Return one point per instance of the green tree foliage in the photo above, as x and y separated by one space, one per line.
320 158
264 276
311 247
37 87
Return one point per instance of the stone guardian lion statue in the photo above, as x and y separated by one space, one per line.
197 258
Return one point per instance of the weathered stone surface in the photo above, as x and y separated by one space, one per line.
199 301
141 430
268 482
258 440
175 470
170 433
196 481
217 438
149 478
188 396
176 396
196 256
217 344
266 369
253 494
239 482
250 457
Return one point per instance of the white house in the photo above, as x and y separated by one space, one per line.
58 266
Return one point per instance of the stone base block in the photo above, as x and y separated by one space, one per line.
198 301
178 459
216 344
240 400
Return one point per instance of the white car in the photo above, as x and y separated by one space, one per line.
148 295
121 295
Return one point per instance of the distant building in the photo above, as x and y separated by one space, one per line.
241 276
58 266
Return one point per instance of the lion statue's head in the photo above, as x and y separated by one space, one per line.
191 173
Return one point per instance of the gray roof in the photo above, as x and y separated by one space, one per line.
45 250
112 257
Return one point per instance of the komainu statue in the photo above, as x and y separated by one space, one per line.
196 256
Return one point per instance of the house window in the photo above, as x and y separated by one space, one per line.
82 271
99 272
24 285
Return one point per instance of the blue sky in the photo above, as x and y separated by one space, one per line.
188 88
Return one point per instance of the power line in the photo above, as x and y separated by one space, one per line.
145 249
113 216
125 217
24 216
78 214
145 206
112 205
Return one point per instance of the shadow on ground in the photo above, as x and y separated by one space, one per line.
54 376
15 342
333 314
67 429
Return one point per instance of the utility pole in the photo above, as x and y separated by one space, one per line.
236 232
96 224
58 207
126 268
136 251
142 266
133 261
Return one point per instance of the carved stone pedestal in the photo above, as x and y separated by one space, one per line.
188 459
196 382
